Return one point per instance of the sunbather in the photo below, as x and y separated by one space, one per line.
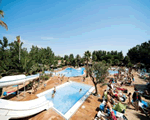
146 92
107 105
118 95
111 84
128 82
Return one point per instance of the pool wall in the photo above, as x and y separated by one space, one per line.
75 107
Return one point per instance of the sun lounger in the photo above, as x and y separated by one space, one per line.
143 105
14 109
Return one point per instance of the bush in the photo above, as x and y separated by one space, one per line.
129 64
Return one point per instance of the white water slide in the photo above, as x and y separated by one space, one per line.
16 80
13 109
19 109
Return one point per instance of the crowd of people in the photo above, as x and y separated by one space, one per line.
115 94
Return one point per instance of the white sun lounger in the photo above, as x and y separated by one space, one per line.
13 109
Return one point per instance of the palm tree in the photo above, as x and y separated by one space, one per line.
87 56
3 24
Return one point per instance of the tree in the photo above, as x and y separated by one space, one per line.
78 59
67 61
81 61
87 56
126 60
36 60
116 62
74 62
4 56
71 59
66 57
103 61
55 63
14 48
129 65
140 54
3 24
120 55
98 72
62 62
94 58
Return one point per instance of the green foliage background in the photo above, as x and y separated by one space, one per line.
40 59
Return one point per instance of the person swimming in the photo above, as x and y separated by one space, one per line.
53 95
80 90
54 91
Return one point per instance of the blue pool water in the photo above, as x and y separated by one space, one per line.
112 72
71 72
66 96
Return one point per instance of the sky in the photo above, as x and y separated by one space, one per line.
75 26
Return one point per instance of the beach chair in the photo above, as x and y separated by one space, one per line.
143 106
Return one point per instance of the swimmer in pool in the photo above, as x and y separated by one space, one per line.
53 95
80 90
54 91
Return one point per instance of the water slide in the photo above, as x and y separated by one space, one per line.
19 109
16 80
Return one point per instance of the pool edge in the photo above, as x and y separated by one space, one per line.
76 106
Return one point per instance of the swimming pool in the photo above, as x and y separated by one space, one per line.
71 72
67 98
112 72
